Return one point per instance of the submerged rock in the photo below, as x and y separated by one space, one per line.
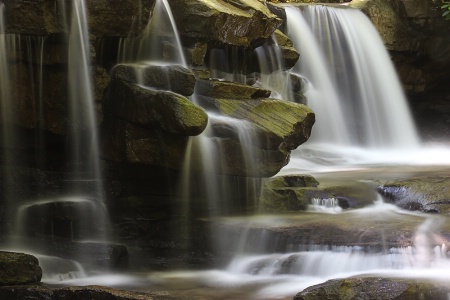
18 268
375 288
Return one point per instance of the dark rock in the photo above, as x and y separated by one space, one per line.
125 142
19 268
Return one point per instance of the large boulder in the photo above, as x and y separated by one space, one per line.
374 288
238 23
19 268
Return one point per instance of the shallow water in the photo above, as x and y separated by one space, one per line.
266 275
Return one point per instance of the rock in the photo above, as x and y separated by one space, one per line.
375 288
238 23
369 232
154 109
125 142
287 124
118 18
285 200
426 194
162 77
231 159
74 293
393 31
105 18
289 53
291 181
32 17
18 268
229 90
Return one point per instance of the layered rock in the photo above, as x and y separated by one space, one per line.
238 23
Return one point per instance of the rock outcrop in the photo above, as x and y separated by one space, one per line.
239 23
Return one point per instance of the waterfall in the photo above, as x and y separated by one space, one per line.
352 85
83 135
354 88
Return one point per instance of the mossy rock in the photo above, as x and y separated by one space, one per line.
423 193
291 181
375 288
19 268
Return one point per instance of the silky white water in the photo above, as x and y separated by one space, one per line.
361 112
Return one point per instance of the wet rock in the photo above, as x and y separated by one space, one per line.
154 109
118 18
229 90
291 181
374 288
289 53
105 18
426 194
239 23
287 124
126 142
285 200
73 293
168 77
32 17
19 268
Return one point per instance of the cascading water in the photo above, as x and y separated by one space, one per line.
361 92
361 110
